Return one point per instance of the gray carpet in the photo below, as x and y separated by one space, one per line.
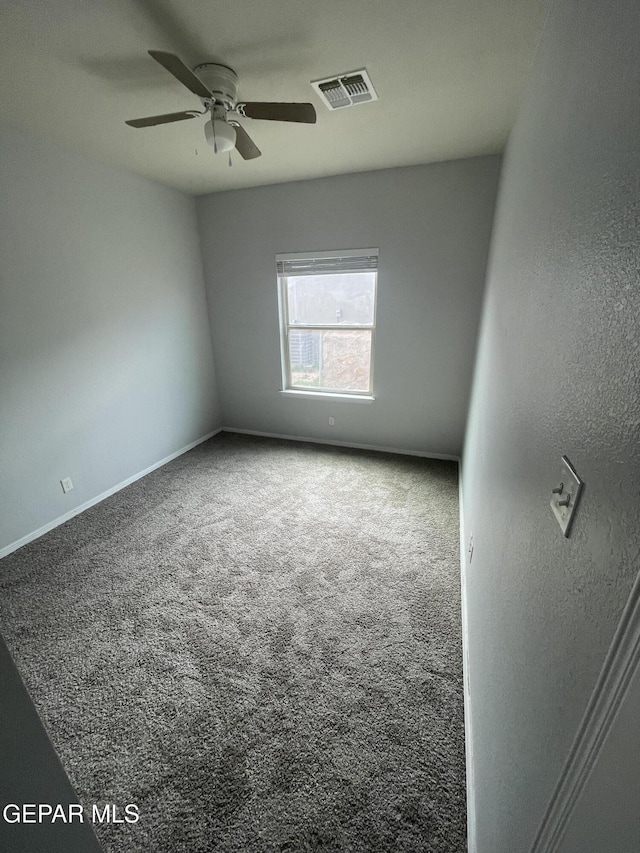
259 644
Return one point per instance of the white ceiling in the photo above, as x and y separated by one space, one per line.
449 75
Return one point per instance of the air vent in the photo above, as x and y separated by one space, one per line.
346 90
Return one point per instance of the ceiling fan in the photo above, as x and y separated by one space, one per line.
216 86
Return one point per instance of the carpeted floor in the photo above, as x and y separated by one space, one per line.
259 645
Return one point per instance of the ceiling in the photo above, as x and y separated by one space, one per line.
449 75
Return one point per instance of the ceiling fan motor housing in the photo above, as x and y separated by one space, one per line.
221 80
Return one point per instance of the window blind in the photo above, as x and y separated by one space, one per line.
365 262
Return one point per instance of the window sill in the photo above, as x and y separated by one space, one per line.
327 395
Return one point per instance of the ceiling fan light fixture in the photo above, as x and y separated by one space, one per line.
220 135
215 85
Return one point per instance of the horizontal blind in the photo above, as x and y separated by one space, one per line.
318 265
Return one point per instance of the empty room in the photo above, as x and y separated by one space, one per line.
319 426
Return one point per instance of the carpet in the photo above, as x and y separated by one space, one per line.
259 645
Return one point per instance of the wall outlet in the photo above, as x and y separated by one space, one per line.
332 421
66 484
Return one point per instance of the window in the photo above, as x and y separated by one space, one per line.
327 321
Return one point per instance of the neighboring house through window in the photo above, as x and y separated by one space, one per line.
327 321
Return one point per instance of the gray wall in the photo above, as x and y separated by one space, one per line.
558 372
105 352
432 225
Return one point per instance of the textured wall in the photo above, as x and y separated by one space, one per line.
432 225
105 350
558 372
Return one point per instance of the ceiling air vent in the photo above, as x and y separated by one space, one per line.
346 90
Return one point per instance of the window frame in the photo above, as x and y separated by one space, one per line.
286 326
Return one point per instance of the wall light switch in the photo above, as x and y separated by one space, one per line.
66 484
565 495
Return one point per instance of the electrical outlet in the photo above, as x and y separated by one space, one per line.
66 484
471 547
332 421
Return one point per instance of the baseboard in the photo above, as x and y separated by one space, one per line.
443 456
618 669
36 534
468 725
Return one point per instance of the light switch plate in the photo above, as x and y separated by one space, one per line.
565 495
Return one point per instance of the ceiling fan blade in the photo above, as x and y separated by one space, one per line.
245 146
164 119
176 66
272 111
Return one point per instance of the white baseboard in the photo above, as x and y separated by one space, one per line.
468 727
24 540
444 456
620 665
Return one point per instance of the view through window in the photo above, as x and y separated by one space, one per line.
327 312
